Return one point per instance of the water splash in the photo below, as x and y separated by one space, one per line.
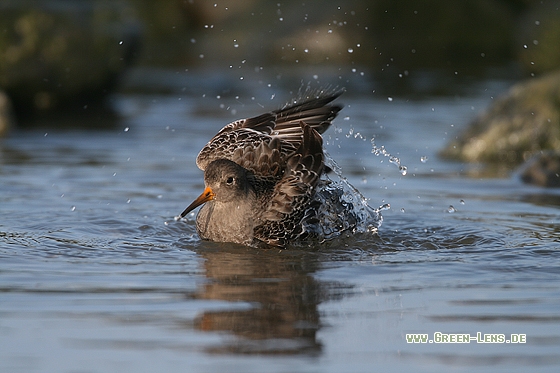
384 207
341 208
356 135
380 150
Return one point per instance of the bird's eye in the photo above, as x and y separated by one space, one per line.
230 180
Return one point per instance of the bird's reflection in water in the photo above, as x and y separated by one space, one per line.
280 287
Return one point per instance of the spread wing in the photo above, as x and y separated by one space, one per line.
283 215
276 135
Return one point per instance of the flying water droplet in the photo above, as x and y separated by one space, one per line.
451 209
380 150
384 207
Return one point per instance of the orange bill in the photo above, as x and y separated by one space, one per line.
206 196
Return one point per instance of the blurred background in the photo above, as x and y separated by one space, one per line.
104 105
61 60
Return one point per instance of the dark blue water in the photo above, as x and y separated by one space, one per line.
96 275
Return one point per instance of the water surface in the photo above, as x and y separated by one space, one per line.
96 275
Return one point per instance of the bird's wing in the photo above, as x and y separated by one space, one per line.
312 108
284 212
258 152
248 140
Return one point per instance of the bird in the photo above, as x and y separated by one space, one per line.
262 175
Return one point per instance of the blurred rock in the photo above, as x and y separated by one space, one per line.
543 170
6 115
63 55
516 126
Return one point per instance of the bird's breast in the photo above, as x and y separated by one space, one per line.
225 222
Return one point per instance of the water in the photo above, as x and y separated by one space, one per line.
97 276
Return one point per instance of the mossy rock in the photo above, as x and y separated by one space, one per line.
516 126
55 54
542 170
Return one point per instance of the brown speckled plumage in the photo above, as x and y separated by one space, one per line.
261 174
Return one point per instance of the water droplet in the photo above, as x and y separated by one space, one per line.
380 150
424 159
451 209
384 207
462 202
350 50
402 210
73 208
126 129
390 99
